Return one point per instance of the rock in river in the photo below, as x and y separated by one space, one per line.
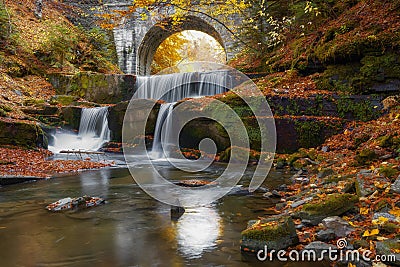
276 232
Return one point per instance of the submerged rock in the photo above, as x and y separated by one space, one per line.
74 203
275 233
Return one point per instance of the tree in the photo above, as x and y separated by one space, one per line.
168 53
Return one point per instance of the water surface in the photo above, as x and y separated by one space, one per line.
132 229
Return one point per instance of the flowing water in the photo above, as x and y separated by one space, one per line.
93 132
131 229
172 88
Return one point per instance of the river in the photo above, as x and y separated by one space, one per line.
131 229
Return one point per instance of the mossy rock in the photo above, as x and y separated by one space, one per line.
64 100
387 247
365 156
275 233
72 116
239 155
24 134
333 205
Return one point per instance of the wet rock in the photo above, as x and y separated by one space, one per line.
196 183
333 205
386 248
176 212
275 232
117 113
273 194
395 187
75 203
326 235
339 226
239 191
72 116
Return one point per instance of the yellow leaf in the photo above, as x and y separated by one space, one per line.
395 212
364 211
373 232
351 265
352 224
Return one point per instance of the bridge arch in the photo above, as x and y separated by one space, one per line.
161 31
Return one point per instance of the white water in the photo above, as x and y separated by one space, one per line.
93 133
172 88
177 86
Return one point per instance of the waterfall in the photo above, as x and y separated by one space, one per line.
172 88
177 86
93 132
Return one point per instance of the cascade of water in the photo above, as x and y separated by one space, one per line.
163 131
172 88
177 86
93 132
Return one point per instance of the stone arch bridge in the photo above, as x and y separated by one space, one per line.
137 40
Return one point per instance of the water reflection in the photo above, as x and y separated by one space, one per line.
198 231
95 183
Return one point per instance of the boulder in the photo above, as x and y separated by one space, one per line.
326 235
275 232
72 116
333 205
22 133
317 247
339 226
386 248
365 183
395 187
117 113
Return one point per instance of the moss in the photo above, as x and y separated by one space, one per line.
361 110
3 113
334 204
309 133
64 100
33 102
390 228
365 156
388 171
361 140
270 230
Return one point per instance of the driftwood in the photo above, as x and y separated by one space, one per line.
79 153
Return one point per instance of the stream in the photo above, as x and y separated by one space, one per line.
131 229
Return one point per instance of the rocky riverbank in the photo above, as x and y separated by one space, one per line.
349 187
